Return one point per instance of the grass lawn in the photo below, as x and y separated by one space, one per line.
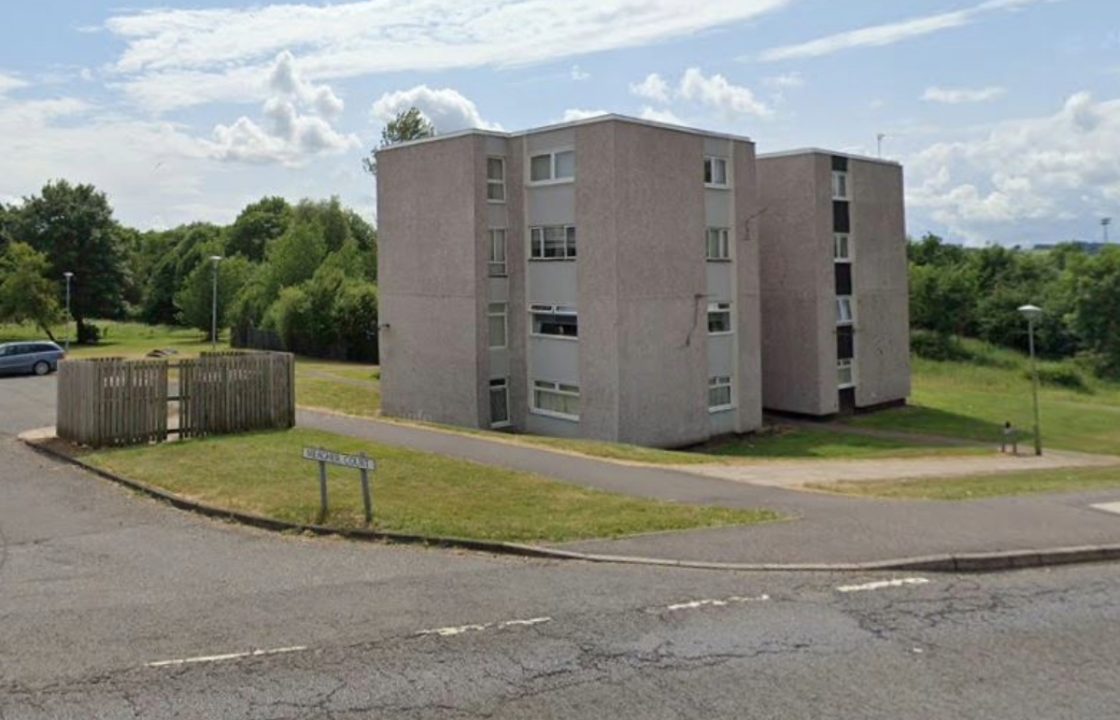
973 487
972 401
349 388
121 339
787 442
413 492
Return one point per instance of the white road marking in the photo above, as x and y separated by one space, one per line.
1112 507
694 604
882 584
225 656
460 629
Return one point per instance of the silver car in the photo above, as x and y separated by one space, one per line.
39 357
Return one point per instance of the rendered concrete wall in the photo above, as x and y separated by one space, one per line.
661 283
431 270
879 280
797 284
748 333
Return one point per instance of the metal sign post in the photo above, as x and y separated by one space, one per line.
361 462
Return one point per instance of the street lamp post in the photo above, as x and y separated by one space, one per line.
1032 313
68 275
214 305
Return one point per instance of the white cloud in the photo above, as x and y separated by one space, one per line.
733 102
578 74
181 57
955 96
447 109
889 33
784 81
664 116
10 82
299 112
653 88
578 114
1051 168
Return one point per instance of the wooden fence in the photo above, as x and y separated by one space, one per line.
126 402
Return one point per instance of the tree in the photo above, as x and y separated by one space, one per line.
294 257
26 295
257 226
407 125
1095 292
195 299
73 226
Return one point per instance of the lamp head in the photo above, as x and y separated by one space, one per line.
1031 312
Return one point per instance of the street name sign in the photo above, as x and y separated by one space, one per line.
357 462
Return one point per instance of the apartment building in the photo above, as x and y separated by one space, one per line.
833 270
595 279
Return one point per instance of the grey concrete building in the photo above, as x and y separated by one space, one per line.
833 268
595 279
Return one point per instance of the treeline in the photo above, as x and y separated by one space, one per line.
976 292
300 276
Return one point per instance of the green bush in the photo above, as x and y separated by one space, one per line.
1059 374
938 346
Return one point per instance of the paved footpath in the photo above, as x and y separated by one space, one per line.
827 528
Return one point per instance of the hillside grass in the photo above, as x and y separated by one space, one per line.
973 399
976 487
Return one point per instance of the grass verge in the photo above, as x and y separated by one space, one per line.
786 442
414 492
974 487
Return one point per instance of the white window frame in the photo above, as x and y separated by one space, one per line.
726 172
571 243
844 239
840 182
845 310
503 313
496 239
556 388
552 179
537 309
847 365
502 385
722 244
490 182
719 382
719 308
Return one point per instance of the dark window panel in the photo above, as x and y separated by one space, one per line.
843 278
839 163
841 219
845 343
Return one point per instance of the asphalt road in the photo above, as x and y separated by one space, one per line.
115 606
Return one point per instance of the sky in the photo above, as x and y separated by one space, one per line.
1004 113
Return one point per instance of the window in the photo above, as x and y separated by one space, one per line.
719 318
845 373
496 179
839 185
497 317
499 402
718 246
841 247
497 252
556 399
715 171
845 343
841 217
719 393
552 167
555 320
843 272
844 314
552 242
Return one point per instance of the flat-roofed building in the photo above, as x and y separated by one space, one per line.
595 279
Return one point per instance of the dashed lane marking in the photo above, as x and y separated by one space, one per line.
460 629
225 656
1109 507
695 604
882 584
